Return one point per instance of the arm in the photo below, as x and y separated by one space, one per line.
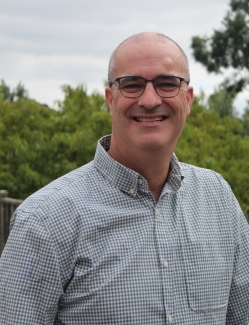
30 285
238 305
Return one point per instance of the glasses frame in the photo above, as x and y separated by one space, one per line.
146 81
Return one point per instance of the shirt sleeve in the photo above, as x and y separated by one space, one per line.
30 285
238 305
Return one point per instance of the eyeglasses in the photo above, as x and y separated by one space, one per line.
165 86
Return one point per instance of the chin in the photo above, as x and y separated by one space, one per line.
157 144
152 146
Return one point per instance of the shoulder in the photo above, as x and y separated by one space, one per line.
51 217
207 196
57 199
207 188
197 176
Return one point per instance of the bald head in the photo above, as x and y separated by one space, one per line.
145 37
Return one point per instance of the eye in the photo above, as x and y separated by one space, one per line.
167 83
131 85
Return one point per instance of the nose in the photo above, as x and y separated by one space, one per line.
149 98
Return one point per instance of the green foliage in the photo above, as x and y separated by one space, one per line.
17 93
38 144
5 91
245 120
228 46
222 101
217 143
20 91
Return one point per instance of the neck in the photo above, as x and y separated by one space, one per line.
153 165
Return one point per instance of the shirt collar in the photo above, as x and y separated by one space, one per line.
126 179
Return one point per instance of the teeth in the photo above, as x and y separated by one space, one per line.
143 119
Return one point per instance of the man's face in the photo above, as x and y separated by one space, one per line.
148 122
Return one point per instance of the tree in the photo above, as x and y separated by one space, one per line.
228 46
245 119
222 101
38 144
217 143
19 92
6 93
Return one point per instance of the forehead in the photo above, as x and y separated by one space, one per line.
149 58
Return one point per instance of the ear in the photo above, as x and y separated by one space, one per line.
190 99
109 98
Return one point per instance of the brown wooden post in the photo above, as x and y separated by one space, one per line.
7 207
3 194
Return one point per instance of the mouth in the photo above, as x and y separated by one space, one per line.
149 119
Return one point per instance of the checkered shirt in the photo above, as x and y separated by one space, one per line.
94 247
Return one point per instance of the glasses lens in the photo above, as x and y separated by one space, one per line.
131 86
167 86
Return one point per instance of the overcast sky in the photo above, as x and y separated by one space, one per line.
49 43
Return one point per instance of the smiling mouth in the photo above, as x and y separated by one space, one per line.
151 119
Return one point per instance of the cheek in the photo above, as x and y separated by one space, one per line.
113 105
122 106
184 107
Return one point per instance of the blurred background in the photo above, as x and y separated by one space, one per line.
54 54
46 44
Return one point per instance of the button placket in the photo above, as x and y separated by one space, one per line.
166 245
166 264
140 181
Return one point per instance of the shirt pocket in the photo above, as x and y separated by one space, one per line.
206 276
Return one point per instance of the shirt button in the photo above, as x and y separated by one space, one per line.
170 319
132 191
140 181
165 264
157 212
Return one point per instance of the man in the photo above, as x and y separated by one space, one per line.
134 237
